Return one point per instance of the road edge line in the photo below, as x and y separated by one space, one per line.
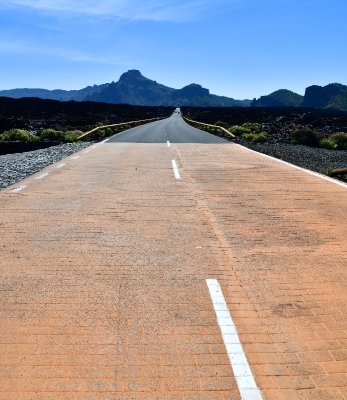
317 174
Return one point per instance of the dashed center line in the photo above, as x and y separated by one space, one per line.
168 144
242 372
42 176
19 188
175 169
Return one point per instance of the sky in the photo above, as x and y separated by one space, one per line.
237 48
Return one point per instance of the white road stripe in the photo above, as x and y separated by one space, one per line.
318 175
241 369
175 169
60 166
104 141
87 151
42 176
168 144
76 157
19 188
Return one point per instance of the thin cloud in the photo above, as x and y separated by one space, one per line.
19 47
165 10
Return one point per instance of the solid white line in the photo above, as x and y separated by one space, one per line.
104 141
42 176
317 174
19 188
60 166
242 372
175 169
76 157
168 144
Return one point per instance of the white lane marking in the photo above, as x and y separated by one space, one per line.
104 141
60 166
76 157
242 372
175 169
87 151
168 144
317 174
19 188
42 176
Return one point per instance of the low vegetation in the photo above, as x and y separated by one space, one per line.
308 127
18 135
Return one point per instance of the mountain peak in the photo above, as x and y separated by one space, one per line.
131 74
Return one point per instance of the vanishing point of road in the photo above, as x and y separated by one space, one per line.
167 263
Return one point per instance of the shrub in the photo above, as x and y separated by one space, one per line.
248 136
72 136
239 130
252 126
261 137
306 136
328 144
52 134
340 139
19 135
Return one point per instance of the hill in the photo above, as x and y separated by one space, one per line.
332 96
280 98
134 89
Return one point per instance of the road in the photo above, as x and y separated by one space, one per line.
123 278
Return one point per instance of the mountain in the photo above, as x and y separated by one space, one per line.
133 88
333 95
280 98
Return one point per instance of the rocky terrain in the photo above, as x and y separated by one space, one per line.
17 166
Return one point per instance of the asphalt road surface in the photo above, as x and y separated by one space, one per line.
173 129
167 263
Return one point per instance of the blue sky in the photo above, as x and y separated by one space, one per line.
237 48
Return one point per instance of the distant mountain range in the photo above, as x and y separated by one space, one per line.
135 89
332 96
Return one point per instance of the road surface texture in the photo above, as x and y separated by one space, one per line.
112 259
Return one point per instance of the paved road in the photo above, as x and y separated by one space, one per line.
117 277
173 129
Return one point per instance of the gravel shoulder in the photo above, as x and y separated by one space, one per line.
313 158
17 166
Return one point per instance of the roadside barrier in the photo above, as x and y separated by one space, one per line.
211 126
139 122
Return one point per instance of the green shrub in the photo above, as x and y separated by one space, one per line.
18 135
340 139
239 130
72 136
52 134
252 126
305 136
248 136
261 137
328 144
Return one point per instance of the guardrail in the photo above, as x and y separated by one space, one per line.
211 126
113 125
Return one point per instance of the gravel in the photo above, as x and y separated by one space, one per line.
17 166
313 158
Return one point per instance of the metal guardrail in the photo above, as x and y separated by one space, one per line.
211 126
113 125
